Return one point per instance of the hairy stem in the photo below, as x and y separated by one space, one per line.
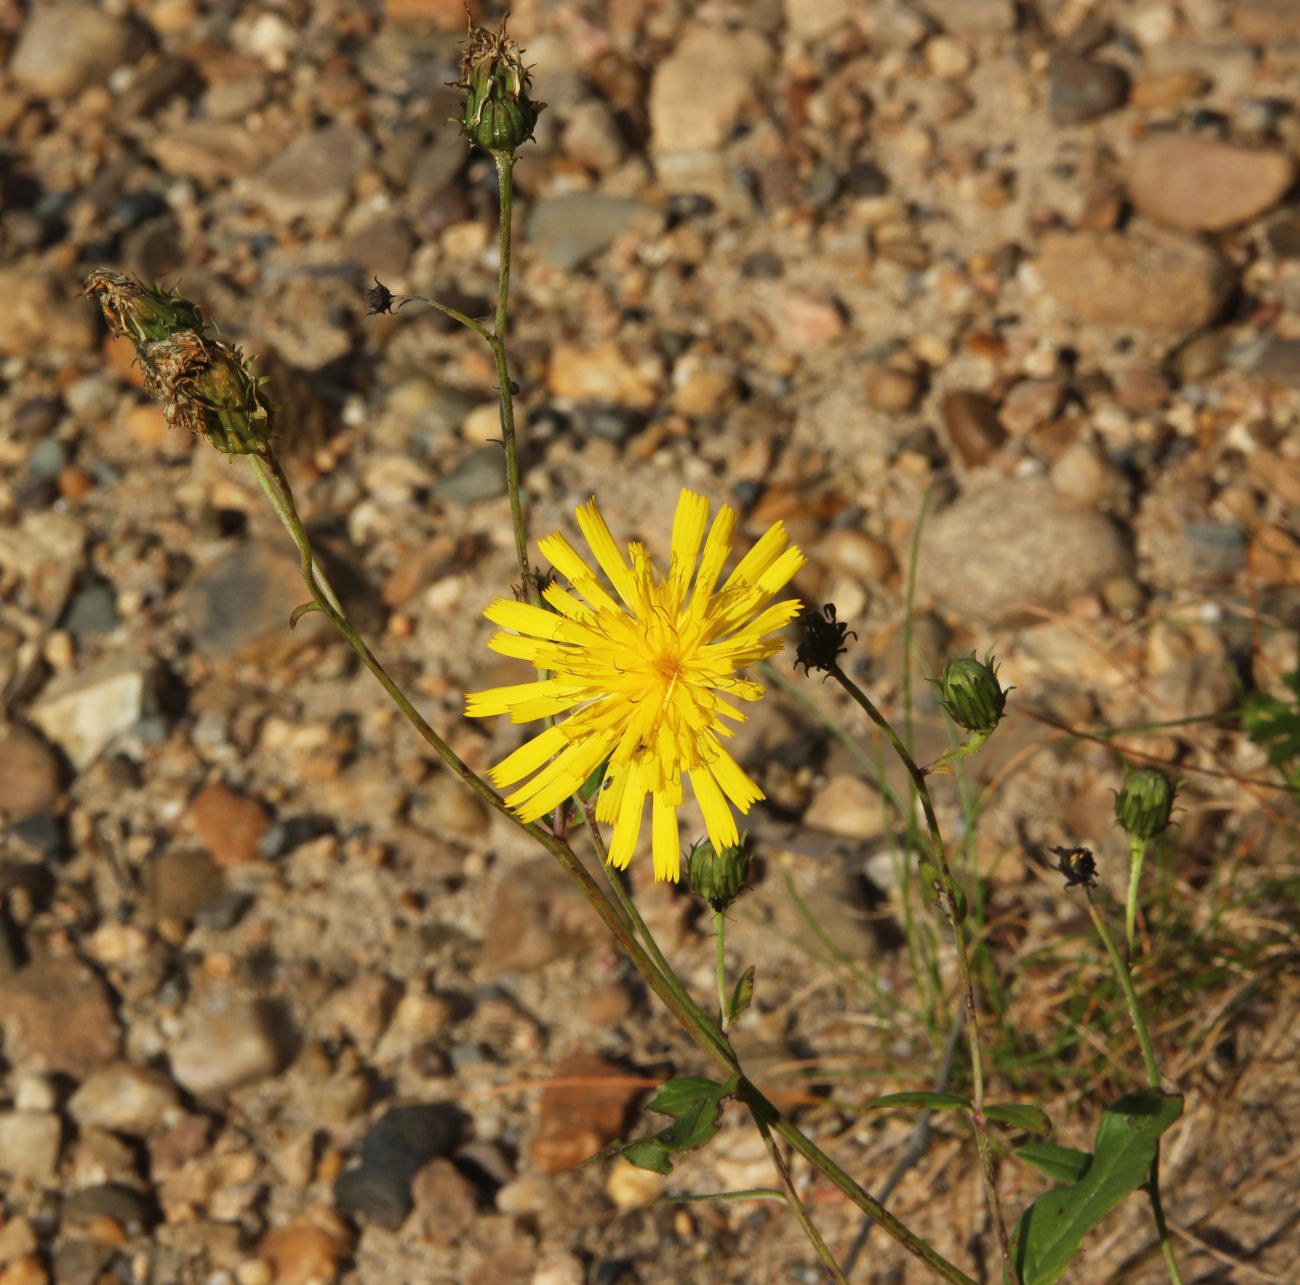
1137 854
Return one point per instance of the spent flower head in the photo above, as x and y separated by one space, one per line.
1145 803
497 114
647 676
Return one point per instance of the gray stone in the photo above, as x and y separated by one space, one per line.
1081 89
376 1186
128 1099
226 1048
65 47
30 774
1016 546
84 713
478 475
208 150
92 611
567 230
1150 280
312 178
29 1144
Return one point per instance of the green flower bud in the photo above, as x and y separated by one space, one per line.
498 114
719 879
209 387
1144 805
969 691
142 314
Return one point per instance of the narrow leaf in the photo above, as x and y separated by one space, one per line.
742 996
1020 1115
300 611
920 1098
1053 1227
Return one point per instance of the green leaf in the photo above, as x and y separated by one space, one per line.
1065 1164
695 1103
921 1098
1053 1227
592 784
300 611
1021 1115
742 997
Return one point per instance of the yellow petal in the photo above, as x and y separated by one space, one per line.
667 843
716 548
529 757
524 618
719 820
595 531
760 557
504 700
627 829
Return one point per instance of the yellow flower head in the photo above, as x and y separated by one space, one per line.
649 676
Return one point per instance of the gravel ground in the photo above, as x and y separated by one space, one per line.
281 1003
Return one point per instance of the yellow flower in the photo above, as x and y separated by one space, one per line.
649 680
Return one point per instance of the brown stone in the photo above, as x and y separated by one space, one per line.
30 774
228 823
308 1250
889 389
972 423
57 1015
575 1120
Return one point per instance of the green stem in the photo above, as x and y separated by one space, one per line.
951 906
792 1196
720 965
1137 852
1125 980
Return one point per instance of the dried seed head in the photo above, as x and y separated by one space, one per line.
498 114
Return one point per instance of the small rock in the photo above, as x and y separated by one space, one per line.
85 1213
703 385
92 611
1083 473
29 1144
229 824
1201 357
27 1270
890 389
604 373
64 48
226 1048
567 230
31 778
212 151
855 554
697 96
810 319
376 1186
83 713
1283 235
1168 89
1158 281
537 915
308 1250
312 178
632 1188
1030 404
382 246
847 806
449 810
16 1239
1081 89
58 1016
1202 185
972 423
1266 22
1141 388
446 1203
40 316
947 58
123 1098
181 883
362 1009
577 1120
479 475
1013 545
1279 362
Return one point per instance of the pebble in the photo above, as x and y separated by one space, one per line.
574 1121
848 807
1082 89
64 48
605 373
478 475
1201 356
92 611
1141 388
697 98
32 777
40 316
375 1187
972 423
1030 404
631 1188
16 1239
703 386
30 1142
1199 184
1168 89
1279 362
812 19
312 178
1266 21
445 1203
567 230
124 1098
891 389
308 1250
27 1270
182 882
229 824
1015 545
1083 473
855 554
226 1048
537 915
84 713
1158 281
57 1015
211 151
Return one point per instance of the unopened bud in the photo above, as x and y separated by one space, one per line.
718 877
498 114
970 692
1143 807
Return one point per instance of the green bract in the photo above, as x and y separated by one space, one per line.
970 692
718 878
1144 805
498 114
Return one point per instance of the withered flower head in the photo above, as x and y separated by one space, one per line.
138 312
497 115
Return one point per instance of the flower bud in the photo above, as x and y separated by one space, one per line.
969 691
1144 805
498 114
718 878
209 387
142 314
